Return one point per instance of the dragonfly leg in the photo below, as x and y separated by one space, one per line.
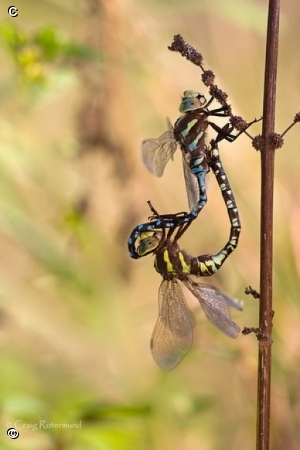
158 222
226 131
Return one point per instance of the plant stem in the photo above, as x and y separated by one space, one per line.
267 186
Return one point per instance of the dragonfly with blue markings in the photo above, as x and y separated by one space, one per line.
173 332
189 132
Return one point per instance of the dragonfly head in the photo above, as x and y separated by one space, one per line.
149 241
191 100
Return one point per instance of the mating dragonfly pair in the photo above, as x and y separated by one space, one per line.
173 332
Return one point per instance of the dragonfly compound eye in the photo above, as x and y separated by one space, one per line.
191 100
149 241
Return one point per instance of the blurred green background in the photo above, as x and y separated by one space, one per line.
81 85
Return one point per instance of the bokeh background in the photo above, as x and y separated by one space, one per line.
81 85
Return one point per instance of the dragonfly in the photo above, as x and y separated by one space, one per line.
189 132
173 333
156 222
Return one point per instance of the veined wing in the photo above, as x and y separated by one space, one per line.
232 302
173 332
191 185
157 152
215 305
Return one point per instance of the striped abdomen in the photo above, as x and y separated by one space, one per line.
172 261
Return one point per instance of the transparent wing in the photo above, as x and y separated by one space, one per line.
232 302
173 332
157 152
192 186
215 305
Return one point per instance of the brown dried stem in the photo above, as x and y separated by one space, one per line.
266 254
266 143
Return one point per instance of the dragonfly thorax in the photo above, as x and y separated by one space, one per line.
189 131
172 261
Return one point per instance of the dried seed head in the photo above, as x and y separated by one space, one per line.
195 57
258 142
179 45
218 94
276 140
208 77
250 291
238 122
228 110
297 117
